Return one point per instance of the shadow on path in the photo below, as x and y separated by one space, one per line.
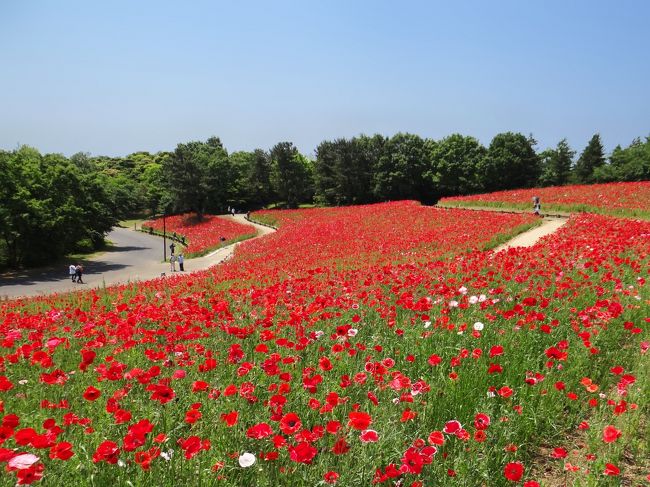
126 248
51 274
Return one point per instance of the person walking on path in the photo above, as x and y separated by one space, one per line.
537 207
79 272
172 262
181 259
172 247
73 272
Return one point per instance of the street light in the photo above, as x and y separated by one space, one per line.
164 236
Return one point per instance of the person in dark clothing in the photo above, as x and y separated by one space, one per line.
172 247
80 271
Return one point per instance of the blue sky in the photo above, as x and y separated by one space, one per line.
115 77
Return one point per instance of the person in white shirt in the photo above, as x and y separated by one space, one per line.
172 262
73 272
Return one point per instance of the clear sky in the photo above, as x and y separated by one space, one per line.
118 76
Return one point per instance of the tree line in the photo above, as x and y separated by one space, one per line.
202 176
52 205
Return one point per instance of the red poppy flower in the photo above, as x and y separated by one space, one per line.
610 434
436 438
505 391
30 475
290 423
559 453
481 421
513 471
62 451
230 418
92 393
107 451
303 452
340 447
331 477
369 436
359 420
259 431
611 470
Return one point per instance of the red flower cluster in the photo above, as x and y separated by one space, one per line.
396 354
625 199
201 236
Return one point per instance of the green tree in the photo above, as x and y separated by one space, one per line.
454 165
196 176
510 162
557 164
291 175
629 164
400 169
591 159
325 177
49 208
259 188
343 172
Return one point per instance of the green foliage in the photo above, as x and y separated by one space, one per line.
291 174
197 176
511 162
556 165
49 204
591 159
454 165
629 164
343 170
399 172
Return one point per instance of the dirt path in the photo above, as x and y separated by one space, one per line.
530 238
135 256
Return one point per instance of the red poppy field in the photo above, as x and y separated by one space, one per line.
203 236
374 345
618 199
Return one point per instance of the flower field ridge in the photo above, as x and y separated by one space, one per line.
202 236
410 357
622 199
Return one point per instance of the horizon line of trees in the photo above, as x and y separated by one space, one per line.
51 205
203 177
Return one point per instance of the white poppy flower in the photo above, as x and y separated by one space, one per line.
478 326
246 460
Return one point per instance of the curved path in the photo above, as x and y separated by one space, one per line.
530 237
135 256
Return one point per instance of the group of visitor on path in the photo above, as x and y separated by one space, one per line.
173 259
76 271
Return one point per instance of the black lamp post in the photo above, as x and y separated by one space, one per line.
164 236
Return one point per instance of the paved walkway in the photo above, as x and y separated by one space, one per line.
530 237
135 256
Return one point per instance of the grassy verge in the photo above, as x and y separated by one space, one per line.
504 237
206 251
267 220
